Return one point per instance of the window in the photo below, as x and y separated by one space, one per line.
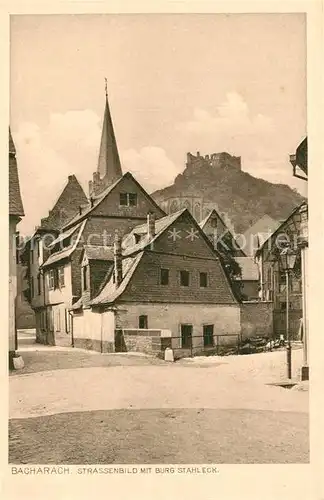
61 276
208 333
51 280
58 321
39 284
32 286
203 280
85 277
142 322
128 199
164 276
184 278
137 238
32 256
38 248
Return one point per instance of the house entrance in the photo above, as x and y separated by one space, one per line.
186 336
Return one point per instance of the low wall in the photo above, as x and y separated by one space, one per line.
154 342
138 340
94 331
256 319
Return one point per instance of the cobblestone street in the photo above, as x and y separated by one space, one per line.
76 406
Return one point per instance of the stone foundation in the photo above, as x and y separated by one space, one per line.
94 345
256 319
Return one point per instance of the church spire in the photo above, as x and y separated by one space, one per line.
109 167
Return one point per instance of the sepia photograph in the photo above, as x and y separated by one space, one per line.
158 242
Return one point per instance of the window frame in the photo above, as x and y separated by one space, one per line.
164 269
144 318
180 278
203 273
51 279
85 272
205 325
61 272
130 199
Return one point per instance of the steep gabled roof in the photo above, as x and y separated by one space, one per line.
132 255
63 236
260 230
110 292
15 202
98 252
160 226
234 246
279 228
66 205
250 270
68 251
98 200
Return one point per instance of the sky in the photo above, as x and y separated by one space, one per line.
176 83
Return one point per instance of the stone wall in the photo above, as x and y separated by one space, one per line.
225 318
93 330
147 341
256 319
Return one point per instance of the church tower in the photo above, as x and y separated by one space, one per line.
109 168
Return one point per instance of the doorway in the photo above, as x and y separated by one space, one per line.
208 333
186 336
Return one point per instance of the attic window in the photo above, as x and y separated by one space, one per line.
128 199
137 238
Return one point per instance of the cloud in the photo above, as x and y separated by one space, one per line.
69 144
66 145
150 166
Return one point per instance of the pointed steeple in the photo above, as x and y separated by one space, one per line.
109 166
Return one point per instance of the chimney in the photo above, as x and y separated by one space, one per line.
150 225
198 154
118 259
80 210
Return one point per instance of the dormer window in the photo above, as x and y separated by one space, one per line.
137 238
128 199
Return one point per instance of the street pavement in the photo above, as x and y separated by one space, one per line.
83 407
